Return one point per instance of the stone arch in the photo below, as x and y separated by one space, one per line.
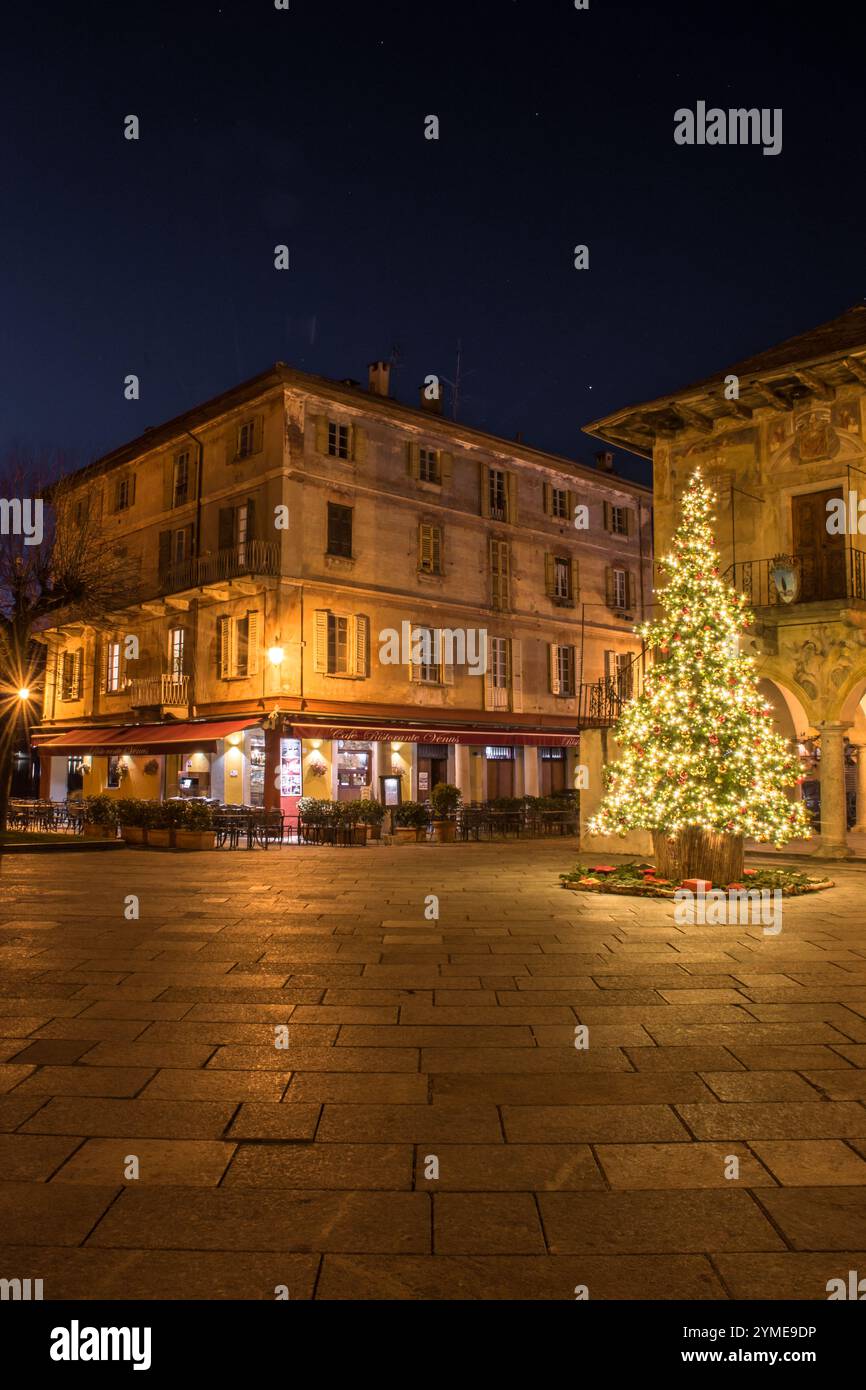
792 707
849 701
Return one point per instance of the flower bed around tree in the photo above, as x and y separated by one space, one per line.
640 880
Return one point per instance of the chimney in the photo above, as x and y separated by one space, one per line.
380 378
434 404
604 460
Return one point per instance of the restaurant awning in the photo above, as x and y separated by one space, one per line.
196 735
499 738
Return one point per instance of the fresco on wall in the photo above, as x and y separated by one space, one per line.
817 433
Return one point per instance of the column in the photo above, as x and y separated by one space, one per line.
860 826
833 840
461 770
530 770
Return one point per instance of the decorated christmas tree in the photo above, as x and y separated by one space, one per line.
702 766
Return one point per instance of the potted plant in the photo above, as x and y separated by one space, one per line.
166 815
349 815
410 822
371 813
445 800
100 821
195 830
132 816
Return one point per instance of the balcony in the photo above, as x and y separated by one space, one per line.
158 690
815 576
255 557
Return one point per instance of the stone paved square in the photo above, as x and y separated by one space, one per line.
429 1130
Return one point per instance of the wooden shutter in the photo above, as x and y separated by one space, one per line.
66 676
549 575
511 496
414 666
446 468
258 433
359 630
131 489
359 444
77 673
320 426
103 665
572 507
485 489
226 536
251 519
553 656
575 578
607 516
320 641
164 552
223 648
446 668
609 592
547 489
629 589
252 643
627 518
516 673
413 452
168 484
489 692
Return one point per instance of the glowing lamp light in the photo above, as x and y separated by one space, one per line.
275 655
24 693
234 739
396 747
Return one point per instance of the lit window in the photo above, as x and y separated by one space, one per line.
620 589
176 639
561 579
338 645
497 494
112 666
565 669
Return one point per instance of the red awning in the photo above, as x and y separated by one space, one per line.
499 738
144 738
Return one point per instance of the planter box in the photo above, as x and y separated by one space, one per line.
374 832
193 839
134 834
444 832
100 832
407 835
159 839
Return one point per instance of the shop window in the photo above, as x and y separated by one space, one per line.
354 768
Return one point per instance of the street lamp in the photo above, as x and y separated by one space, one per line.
24 693
275 655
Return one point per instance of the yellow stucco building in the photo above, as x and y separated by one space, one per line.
781 437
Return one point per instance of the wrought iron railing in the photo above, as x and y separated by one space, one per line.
807 577
159 690
600 703
254 557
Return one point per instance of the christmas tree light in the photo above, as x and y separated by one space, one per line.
699 747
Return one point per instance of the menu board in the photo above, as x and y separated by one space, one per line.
290 767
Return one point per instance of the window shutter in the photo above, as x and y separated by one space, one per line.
505 581
610 664
516 672
607 516
168 484
572 507
446 668
485 490
66 676
609 594
77 672
252 643
446 467
489 693
549 575
414 666
627 517
251 518
412 458
320 425
232 444
320 641
548 498
360 629
131 489
359 444
575 578
164 560
223 652
629 589
511 494
258 433
103 665
553 651
226 537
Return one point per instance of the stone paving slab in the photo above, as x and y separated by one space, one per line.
431 1131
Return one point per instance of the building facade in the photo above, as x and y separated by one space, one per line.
334 594
781 438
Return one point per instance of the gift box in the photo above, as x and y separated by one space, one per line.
697 885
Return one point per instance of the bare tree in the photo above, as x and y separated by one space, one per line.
56 565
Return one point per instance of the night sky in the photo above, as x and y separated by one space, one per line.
306 127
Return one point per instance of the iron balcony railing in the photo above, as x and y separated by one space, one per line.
159 690
600 703
816 576
255 557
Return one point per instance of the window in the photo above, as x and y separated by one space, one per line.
559 503
428 465
70 675
180 488
179 546
565 670
497 493
340 644
429 549
498 658
617 519
247 439
500 574
124 493
112 666
241 534
338 440
339 530
114 772
429 653
620 589
176 642
238 646
619 668
561 578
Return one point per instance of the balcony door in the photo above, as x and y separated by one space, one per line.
821 555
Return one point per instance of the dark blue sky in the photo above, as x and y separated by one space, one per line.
306 127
